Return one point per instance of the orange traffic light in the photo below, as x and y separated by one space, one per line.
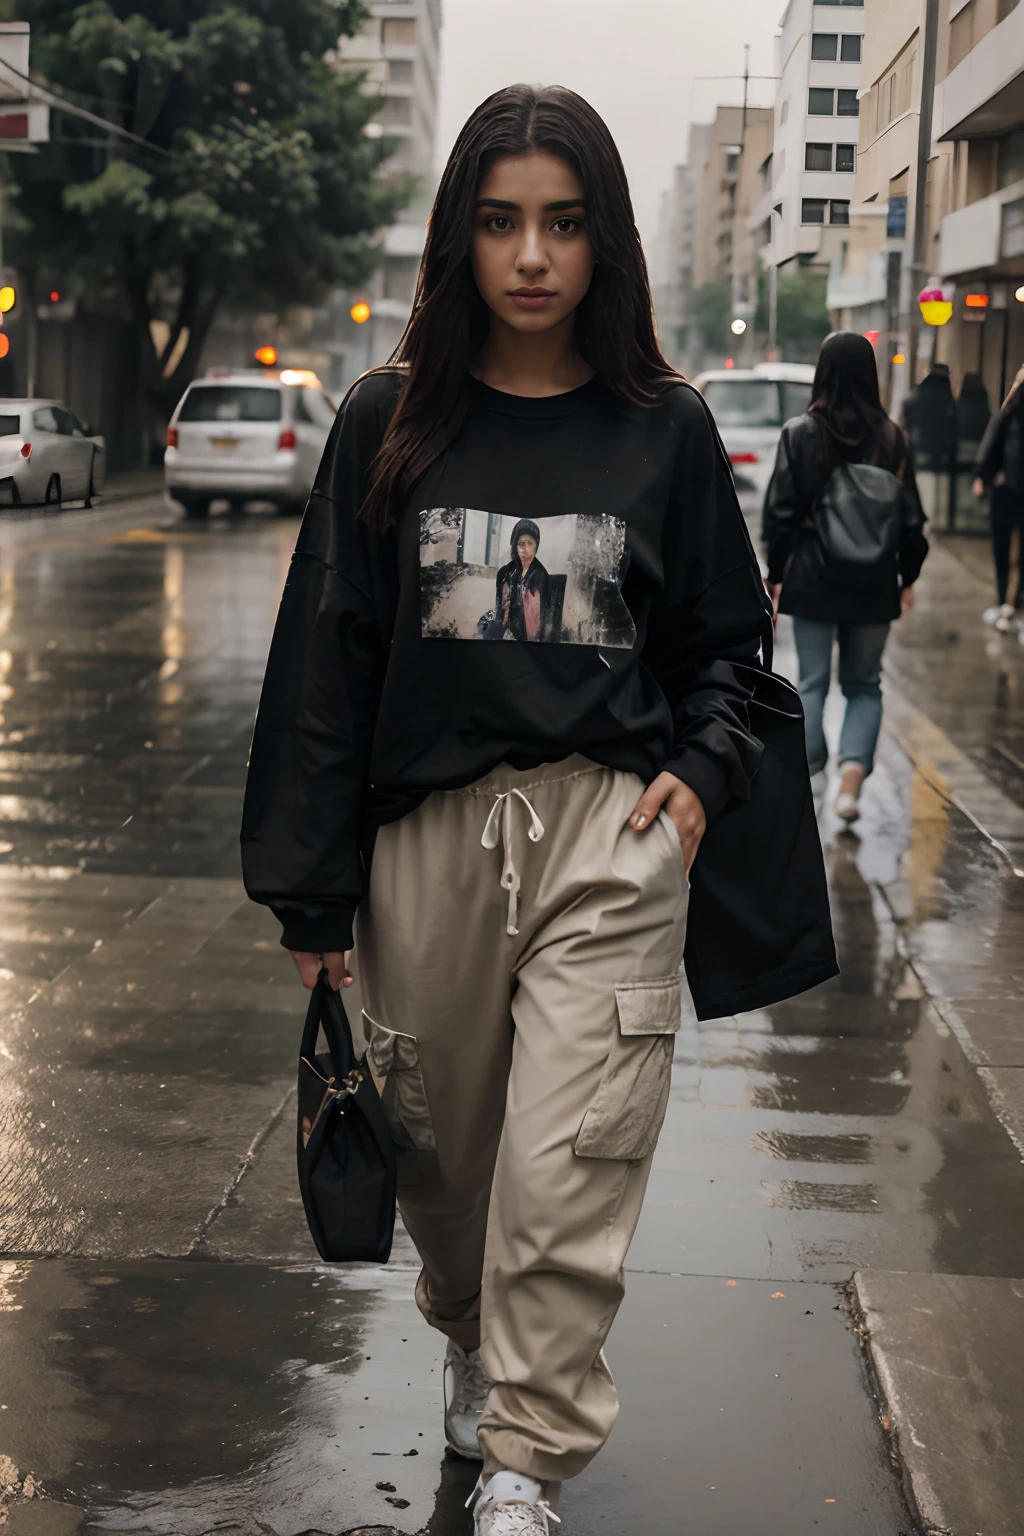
360 312
267 356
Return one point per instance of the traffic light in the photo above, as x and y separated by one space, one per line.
267 356
8 298
360 312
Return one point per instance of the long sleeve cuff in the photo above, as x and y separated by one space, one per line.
705 777
316 932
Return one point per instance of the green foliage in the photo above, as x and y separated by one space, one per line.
261 189
803 319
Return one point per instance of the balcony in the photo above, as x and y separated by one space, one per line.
980 237
984 95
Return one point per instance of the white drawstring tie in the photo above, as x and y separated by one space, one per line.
502 810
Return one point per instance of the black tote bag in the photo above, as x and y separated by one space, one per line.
347 1168
759 927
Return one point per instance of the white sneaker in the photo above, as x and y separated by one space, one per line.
510 1505
1005 618
847 807
466 1385
991 614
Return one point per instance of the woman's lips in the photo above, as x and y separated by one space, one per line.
531 298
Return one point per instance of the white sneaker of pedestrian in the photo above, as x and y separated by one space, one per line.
466 1385
848 807
991 614
510 1505
1004 622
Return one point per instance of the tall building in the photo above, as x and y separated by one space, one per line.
672 257
398 49
814 155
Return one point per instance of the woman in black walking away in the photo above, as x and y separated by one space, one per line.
512 826
844 549
1000 471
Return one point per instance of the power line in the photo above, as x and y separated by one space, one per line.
51 99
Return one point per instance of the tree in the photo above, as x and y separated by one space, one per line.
803 320
257 187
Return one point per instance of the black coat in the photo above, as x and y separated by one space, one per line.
1002 448
930 418
806 458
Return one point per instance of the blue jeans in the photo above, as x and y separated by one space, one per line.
860 670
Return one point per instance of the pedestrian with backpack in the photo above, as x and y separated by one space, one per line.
844 534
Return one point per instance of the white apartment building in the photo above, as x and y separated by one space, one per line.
399 50
814 153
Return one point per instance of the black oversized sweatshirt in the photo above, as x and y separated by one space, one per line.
422 658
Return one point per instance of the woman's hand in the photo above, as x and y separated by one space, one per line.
684 810
978 487
907 599
774 590
309 967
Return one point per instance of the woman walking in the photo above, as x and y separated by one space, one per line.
999 470
844 550
532 810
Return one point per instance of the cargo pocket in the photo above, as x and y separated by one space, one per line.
395 1063
629 1107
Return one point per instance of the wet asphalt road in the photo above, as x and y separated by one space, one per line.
172 1359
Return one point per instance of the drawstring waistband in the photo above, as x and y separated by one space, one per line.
502 809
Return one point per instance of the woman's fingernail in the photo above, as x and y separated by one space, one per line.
641 821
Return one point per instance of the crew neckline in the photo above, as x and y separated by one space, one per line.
543 407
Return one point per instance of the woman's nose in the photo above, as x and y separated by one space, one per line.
532 255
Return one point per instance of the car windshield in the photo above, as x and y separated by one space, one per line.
744 402
10 426
231 402
795 399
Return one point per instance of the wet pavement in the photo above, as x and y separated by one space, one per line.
174 1361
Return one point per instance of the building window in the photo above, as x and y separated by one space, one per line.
824 45
1004 9
846 157
812 210
396 112
821 103
839 211
848 104
732 162
399 30
817 157
850 50
400 71
1010 158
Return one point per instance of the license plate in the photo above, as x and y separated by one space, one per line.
224 442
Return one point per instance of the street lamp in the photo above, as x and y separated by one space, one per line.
738 326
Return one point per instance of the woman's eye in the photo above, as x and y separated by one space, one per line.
499 223
566 226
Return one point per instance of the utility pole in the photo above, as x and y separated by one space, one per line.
915 270
746 83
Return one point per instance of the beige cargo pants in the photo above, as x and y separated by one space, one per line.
522 999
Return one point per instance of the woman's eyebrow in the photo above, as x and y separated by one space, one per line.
559 207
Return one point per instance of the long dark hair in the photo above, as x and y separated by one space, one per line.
614 327
845 398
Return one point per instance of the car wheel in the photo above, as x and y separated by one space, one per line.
90 492
52 498
195 506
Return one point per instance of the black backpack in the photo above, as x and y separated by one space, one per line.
857 525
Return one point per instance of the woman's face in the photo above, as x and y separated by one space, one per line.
531 254
526 547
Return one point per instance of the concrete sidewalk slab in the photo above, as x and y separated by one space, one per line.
948 1351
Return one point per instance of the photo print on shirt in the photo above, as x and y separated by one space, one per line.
490 576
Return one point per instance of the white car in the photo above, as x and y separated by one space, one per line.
750 407
247 435
47 455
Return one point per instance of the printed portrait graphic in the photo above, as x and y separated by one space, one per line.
488 576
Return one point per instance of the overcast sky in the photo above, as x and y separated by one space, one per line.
635 61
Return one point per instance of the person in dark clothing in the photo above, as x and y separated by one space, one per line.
846 424
973 414
523 587
999 470
511 826
929 418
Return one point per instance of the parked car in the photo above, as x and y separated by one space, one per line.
247 435
47 455
750 407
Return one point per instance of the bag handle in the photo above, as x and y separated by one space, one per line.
326 1011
